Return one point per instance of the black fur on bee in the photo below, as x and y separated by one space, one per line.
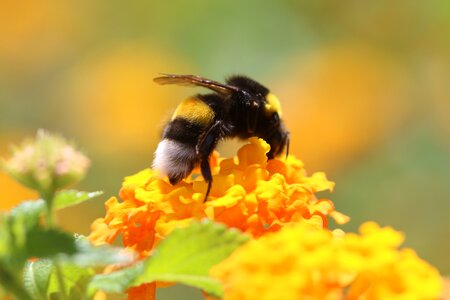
239 108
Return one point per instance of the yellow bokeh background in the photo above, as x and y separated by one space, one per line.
363 85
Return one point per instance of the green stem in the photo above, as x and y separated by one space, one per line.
48 197
60 278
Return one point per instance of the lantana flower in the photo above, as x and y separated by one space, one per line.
47 163
248 192
305 261
293 254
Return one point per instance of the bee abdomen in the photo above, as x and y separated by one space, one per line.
174 159
176 154
183 131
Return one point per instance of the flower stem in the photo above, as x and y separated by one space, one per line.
48 197
60 279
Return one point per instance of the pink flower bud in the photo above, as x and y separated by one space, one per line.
47 163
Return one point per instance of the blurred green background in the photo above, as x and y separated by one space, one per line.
365 87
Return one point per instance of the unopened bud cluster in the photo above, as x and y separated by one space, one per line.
47 163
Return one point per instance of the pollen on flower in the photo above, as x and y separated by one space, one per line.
304 261
248 192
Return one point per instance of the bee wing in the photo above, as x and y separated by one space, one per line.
192 81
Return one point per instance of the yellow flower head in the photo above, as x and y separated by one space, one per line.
248 192
305 261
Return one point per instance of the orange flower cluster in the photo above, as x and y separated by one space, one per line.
248 193
306 262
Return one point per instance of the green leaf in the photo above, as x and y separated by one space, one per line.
187 255
90 255
75 267
42 242
118 281
5 237
28 212
68 198
36 278
15 228
10 279
75 282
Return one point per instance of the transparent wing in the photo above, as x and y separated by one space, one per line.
193 81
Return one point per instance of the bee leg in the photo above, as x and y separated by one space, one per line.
286 141
205 146
278 141
274 146
206 173
209 139
275 124
271 137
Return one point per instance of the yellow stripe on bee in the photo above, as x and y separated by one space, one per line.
194 110
273 104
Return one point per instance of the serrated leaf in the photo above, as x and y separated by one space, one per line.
118 281
36 278
28 212
11 280
75 281
14 231
68 198
89 255
42 242
76 271
187 255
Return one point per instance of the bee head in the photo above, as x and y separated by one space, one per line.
249 85
271 102
278 141
272 105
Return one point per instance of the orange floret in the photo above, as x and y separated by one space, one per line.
248 192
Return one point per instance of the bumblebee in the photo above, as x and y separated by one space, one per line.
239 108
